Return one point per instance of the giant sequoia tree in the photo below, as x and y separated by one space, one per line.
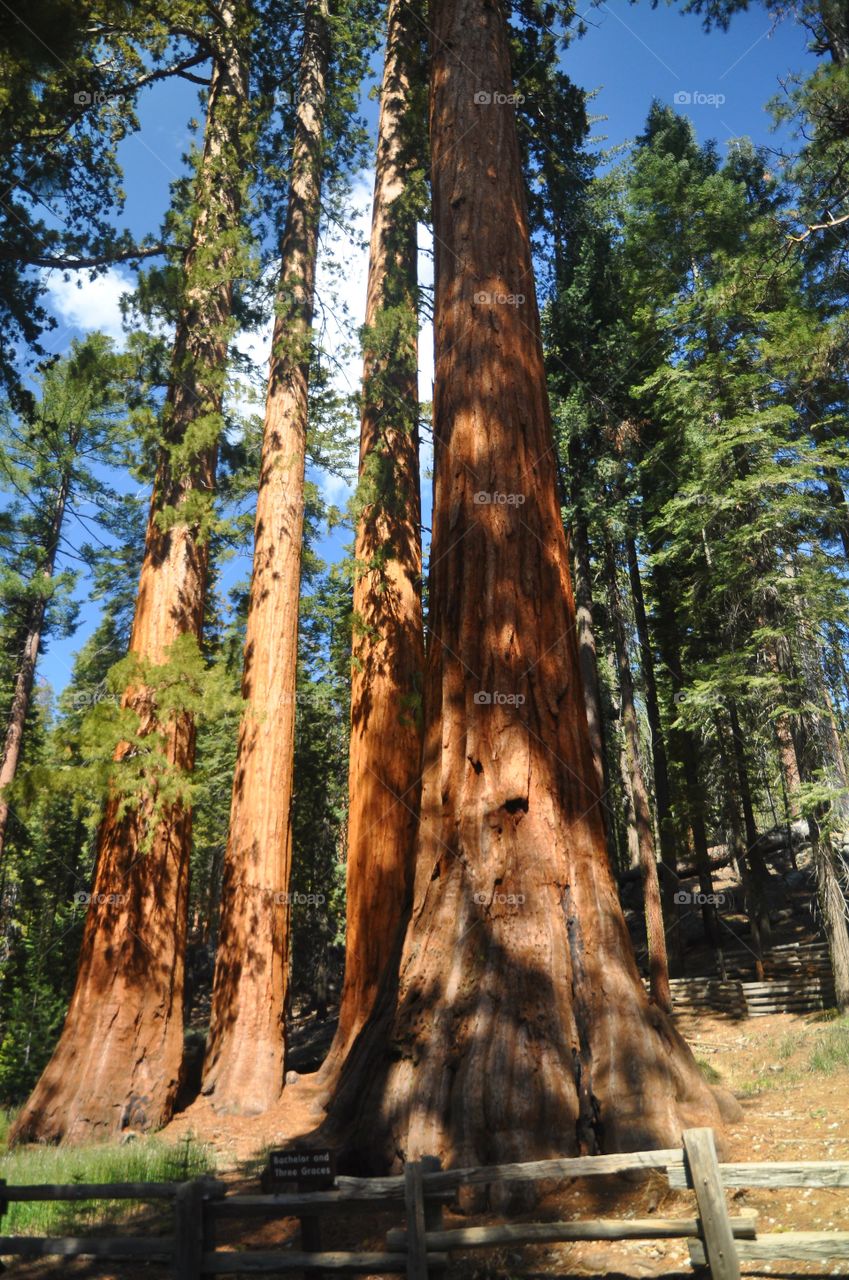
118 1061
518 1025
245 1055
388 648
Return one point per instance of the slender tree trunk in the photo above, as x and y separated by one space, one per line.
388 650
655 933
588 659
662 791
25 676
518 1025
686 751
245 1060
117 1064
632 835
758 873
740 821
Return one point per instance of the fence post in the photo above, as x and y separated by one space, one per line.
213 1190
188 1230
715 1224
416 1242
432 1208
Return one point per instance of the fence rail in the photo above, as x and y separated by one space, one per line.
715 1239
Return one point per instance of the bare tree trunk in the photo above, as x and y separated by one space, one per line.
685 750
587 654
588 659
655 934
117 1064
632 835
388 650
741 819
25 676
245 1060
759 875
519 1025
662 791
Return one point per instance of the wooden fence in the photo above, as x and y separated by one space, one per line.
716 1239
797 979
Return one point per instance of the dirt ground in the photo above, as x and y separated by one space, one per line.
789 1113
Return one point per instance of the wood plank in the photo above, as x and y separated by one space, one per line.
569 1167
115 1247
415 1242
315 1202
96 1191
717 1235
561 1232
814 988
789 1246
257 1262
811 1173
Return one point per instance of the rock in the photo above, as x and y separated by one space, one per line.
729 1107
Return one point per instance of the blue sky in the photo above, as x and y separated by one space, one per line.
630 55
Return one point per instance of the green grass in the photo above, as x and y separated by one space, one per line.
709 1071
144 1160
788 1045
830 1050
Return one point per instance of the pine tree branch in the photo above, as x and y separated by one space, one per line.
819 226
9 254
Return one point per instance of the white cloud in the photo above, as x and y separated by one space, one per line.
87 304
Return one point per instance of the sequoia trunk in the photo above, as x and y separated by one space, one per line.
245 1060
117 1064
518 1025
388 646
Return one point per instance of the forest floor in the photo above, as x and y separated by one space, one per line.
790 1073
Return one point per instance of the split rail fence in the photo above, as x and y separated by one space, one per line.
797 979
717 1240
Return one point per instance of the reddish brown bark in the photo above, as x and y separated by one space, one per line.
117 1063
245 1060
388 648
655 933
519 1026
587 654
